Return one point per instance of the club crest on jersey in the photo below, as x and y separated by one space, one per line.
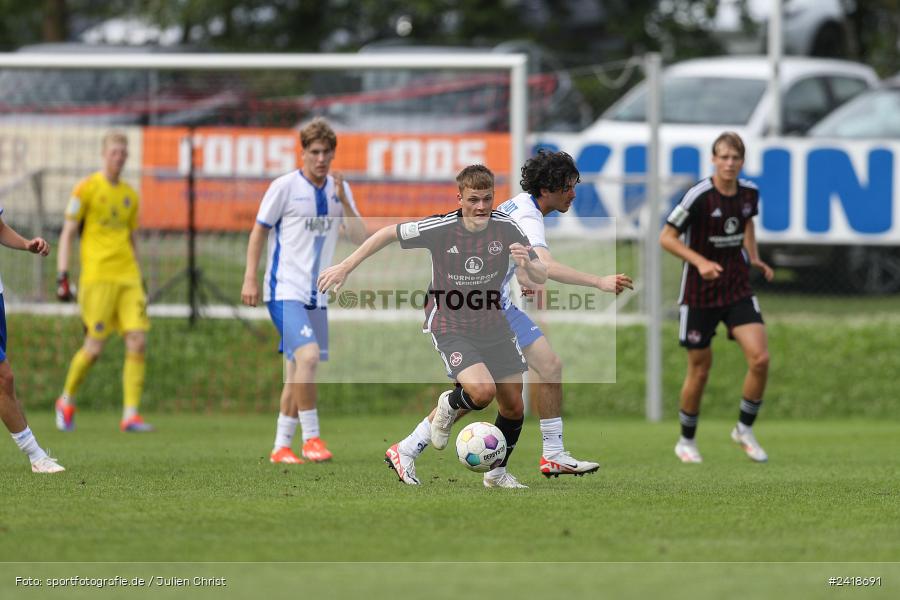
456 359
495 248
126 201
694 336
731 225
474 265
746 210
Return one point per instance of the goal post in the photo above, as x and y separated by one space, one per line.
515 64
45 149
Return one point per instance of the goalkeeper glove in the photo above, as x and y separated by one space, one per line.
63 288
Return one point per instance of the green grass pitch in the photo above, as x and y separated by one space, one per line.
201 489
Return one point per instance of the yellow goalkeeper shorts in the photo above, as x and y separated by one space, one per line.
109 306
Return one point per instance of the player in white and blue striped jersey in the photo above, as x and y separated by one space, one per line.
301 216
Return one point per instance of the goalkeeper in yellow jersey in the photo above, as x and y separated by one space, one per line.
111 296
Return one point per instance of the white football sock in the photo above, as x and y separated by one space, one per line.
418 440
129 412
742 429
552 434
309 423
285 429
27 443
495 473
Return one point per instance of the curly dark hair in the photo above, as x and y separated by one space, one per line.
548 170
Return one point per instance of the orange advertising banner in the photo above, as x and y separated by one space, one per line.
391 175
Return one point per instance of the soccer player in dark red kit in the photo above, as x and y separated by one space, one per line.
471 250
712 230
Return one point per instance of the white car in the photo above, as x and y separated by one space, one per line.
709 95
873 115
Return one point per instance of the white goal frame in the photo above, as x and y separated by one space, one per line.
516 64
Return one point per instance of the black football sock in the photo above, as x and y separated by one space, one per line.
688 424
511 428
749 410
459 399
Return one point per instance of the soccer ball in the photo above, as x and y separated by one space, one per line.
480 446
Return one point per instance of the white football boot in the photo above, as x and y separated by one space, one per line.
46 465
563 463
503 480
748 442
402 464
444 417
687 451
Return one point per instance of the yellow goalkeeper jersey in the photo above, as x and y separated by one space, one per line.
108 214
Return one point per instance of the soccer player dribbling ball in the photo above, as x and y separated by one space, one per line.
111 292
471 249
10 409
715 218
549 180
299 219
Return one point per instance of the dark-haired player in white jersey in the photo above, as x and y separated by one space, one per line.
549 180
715 220
471 251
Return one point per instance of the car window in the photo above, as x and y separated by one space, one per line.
698 100
876 114
844 88
805 103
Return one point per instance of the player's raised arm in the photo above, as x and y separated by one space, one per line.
557 271
336 275
250 288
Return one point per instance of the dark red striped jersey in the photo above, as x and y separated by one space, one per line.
713 225
468 269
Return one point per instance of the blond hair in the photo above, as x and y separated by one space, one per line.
318 130
475 177
113 137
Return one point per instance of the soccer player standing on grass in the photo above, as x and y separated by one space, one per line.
471 251
549 180
111 296
10 410
301 215
715 218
